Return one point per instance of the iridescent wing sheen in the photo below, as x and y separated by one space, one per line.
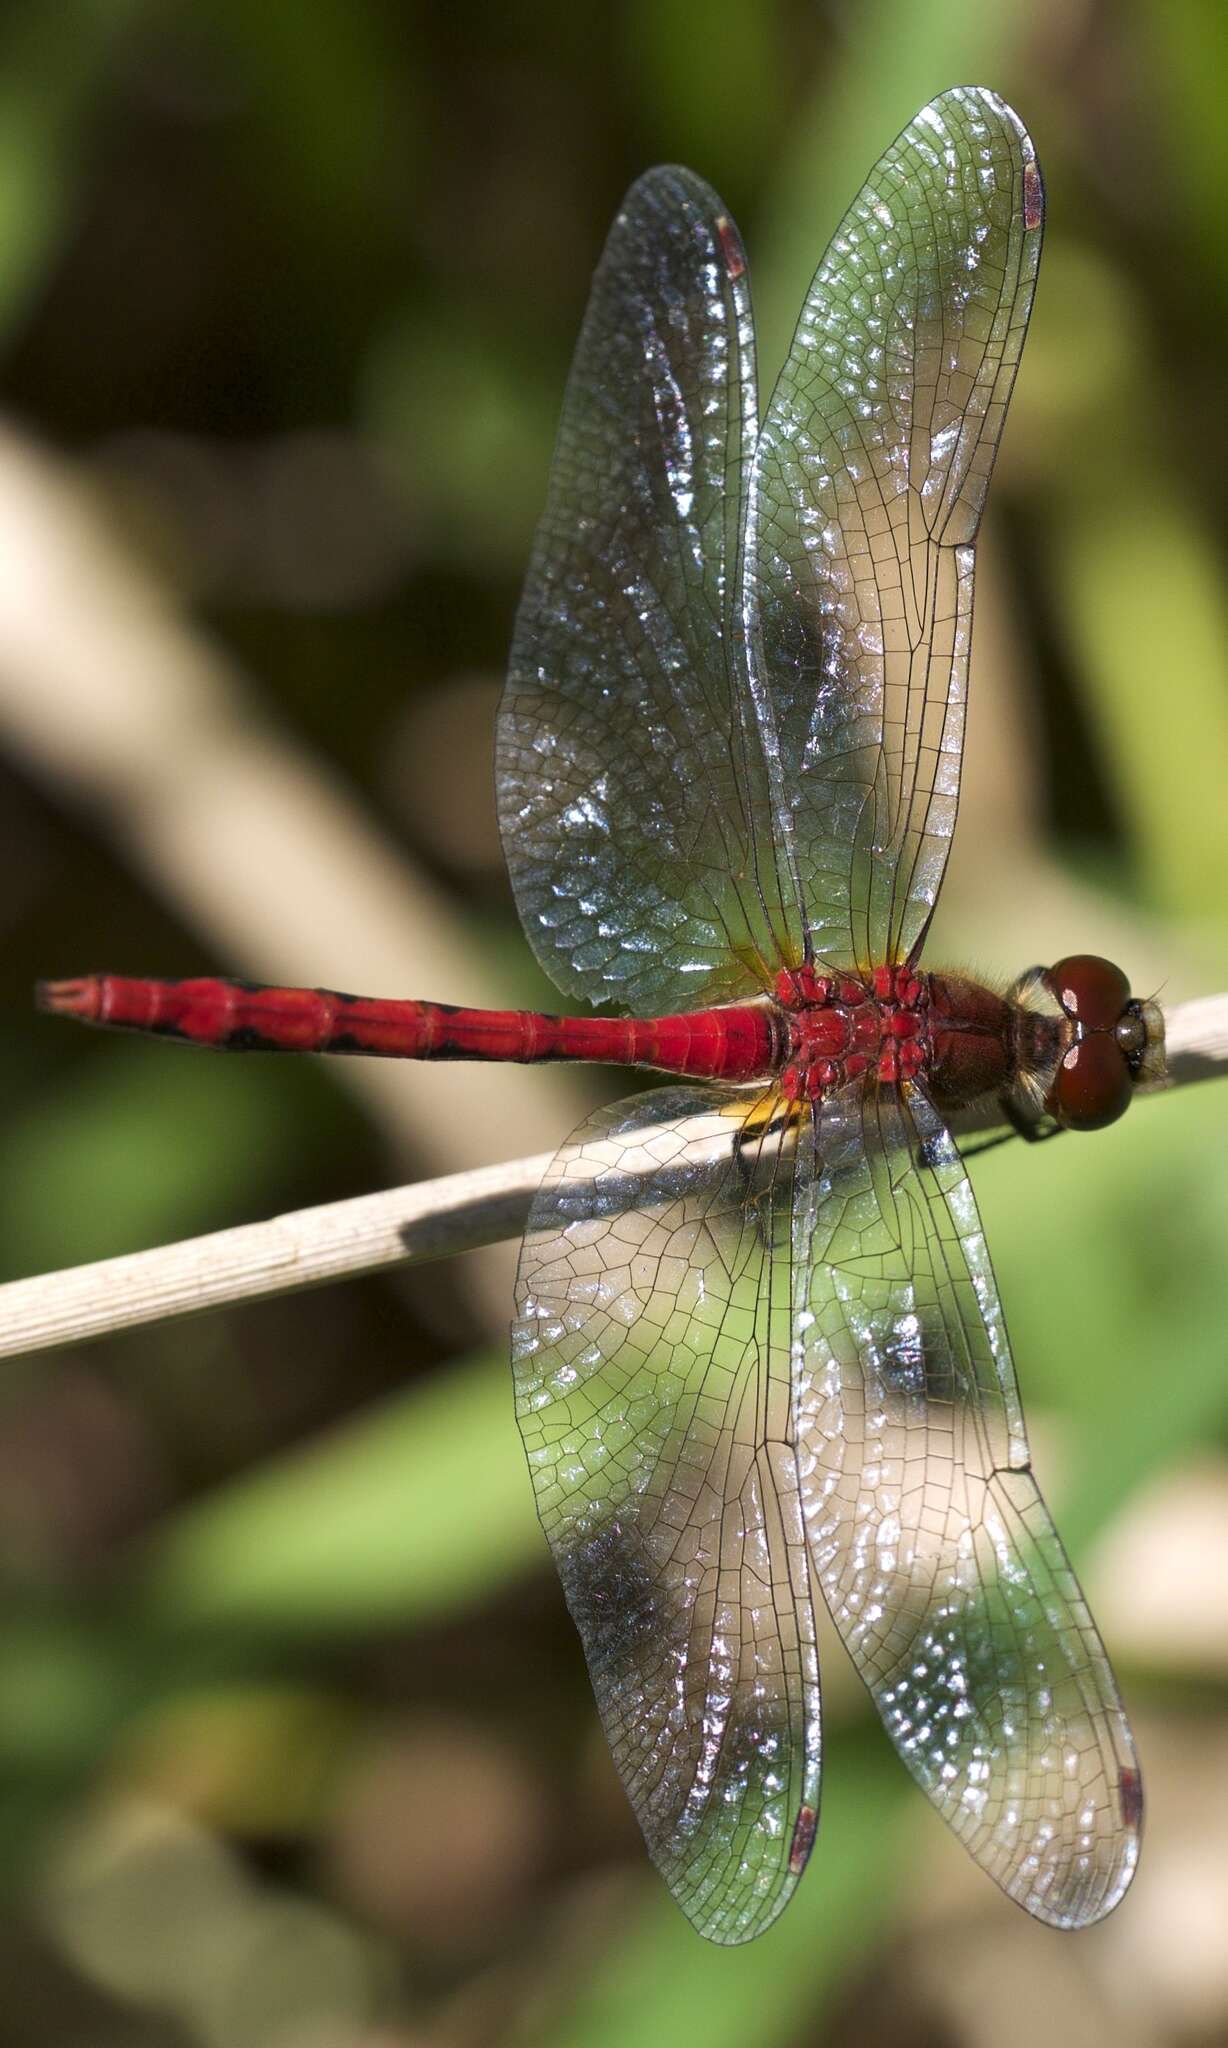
651 1360
757 1357
867 489
935 1552
633 797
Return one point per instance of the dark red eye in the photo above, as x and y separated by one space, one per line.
1093 1085
1090 990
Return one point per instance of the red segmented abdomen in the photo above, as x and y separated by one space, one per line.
735 1043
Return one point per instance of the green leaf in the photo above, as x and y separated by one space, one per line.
53 64
658 1983
417 1509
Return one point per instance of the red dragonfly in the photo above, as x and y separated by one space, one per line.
760 1360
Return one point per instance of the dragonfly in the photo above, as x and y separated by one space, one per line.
760 1360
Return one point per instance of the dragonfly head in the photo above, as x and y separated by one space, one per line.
1111 1042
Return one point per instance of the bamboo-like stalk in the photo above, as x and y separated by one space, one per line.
430 1220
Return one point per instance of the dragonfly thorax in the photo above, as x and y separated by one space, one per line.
841 1027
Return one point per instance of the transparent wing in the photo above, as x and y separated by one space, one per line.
651 1360
868 484
633 797
929 1537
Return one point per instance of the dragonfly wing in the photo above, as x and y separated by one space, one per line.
651 1361
868 484
934 1549
633 797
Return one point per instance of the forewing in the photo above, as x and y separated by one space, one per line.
939 1562
651 1361
868 484
633 797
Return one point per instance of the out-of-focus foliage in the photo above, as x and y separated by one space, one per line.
295 1743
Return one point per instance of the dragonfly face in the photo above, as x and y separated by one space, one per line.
760 1358
1113 1041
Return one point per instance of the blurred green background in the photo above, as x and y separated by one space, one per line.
296 1745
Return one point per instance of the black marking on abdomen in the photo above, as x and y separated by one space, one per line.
244 1038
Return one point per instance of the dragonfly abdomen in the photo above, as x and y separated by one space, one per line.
738 1042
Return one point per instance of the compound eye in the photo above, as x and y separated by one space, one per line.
1090 990
1093 1086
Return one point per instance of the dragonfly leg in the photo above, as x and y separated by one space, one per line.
1033 1126
766 1133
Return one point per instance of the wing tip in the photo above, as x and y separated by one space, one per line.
684 189
732 1900
730 1923
1092 1892
978 98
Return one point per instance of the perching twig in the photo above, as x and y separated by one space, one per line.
1196 1040
431 1220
